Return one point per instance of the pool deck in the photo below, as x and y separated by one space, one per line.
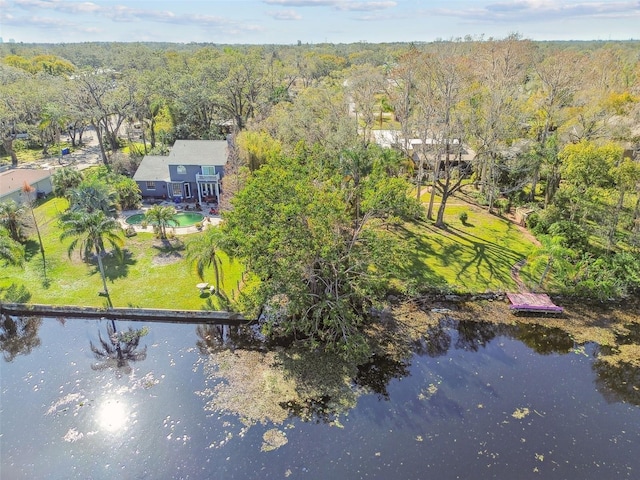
209 220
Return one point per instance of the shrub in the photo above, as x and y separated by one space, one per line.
575 235
464 216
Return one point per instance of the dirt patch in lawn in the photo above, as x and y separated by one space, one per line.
166 258
169 251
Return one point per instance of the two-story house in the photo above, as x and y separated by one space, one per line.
191 172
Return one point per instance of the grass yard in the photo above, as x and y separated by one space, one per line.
476 256
473 257
152 274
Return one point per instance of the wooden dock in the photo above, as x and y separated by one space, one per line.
131 314
533 302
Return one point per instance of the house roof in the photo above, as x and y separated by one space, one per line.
13 179
199 152
153 168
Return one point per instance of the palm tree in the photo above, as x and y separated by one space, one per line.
12 217
94 196
90 231
11 251
161 217
203 251
120 349
65 180
27 191
53 121
552 253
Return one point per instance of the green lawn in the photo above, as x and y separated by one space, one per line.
152 273
474 257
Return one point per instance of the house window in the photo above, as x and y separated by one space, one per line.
182 170
176 189
208 170
151 185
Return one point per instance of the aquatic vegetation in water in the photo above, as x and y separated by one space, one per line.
521 413
273 439
269 387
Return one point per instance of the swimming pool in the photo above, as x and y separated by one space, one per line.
183 219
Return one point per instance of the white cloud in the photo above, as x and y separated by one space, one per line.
123 13
336 4
535 10
284 15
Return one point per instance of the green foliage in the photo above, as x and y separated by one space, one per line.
321 267
92 195
204 251
573 234
463 217
161 217
128 192
625 267
13 219
90 230
11 252
64 180
49 64
587 165
106 190
138 278
15 293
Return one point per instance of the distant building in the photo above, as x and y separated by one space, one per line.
13 179
193 170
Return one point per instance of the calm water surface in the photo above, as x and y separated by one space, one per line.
472 401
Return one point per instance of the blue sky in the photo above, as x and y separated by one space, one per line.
314 21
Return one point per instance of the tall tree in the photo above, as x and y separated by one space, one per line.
106 100
444 88
204 251
320 267
11 252
90 232
365 84
625 175
19 109
495 106
161 217
241 85
556 80
28 195
12 218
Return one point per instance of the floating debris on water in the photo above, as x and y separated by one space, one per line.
520 413
273 439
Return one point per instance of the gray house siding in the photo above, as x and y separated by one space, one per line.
160 190
181 174
12 180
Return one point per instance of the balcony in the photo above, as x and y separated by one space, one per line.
207 178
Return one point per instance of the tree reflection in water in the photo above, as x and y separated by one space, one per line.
618 368
215 338
118 349
18 335
260 383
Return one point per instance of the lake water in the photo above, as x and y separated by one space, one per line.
472 400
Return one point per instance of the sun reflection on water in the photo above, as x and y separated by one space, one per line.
113 415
